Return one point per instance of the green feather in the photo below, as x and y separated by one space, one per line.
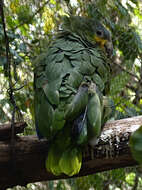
71 78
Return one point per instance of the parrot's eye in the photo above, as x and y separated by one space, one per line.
99 33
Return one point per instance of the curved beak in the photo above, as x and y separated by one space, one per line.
109 48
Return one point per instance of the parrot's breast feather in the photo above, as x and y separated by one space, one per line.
68 62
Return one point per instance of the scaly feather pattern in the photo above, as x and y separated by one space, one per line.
71 82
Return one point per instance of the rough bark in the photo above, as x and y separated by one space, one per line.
5 130
28 162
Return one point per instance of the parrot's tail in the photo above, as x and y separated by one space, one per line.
68 162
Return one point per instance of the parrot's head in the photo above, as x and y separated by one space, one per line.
102 37
90 29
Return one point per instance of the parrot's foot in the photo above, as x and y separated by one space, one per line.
94 141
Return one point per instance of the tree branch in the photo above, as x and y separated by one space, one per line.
111 152
6 131
126 71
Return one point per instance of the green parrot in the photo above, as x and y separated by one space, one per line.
71 83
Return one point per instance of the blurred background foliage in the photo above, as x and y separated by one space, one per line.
31 25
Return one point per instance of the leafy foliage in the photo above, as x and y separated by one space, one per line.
31 25
136 145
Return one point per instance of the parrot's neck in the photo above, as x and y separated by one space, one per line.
86 40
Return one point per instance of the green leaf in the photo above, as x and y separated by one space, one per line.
136 145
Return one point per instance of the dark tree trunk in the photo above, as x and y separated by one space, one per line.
28 162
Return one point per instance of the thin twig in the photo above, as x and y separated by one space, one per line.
16 89
125 70
6 40
131 87
11 95
136 182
